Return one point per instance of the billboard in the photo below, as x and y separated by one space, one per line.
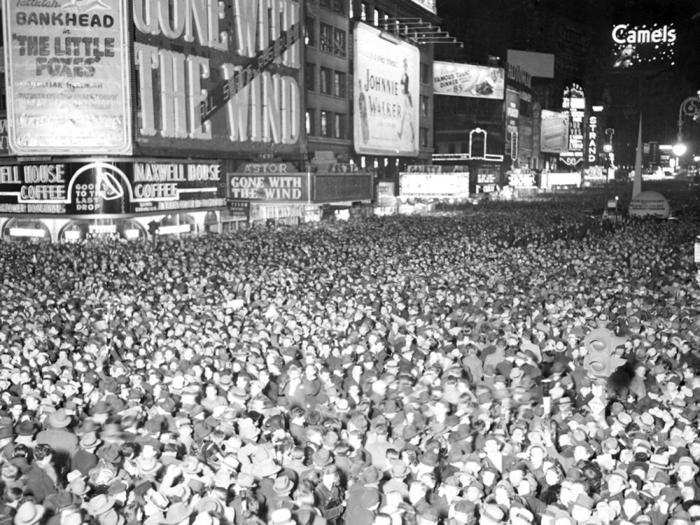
427 4
110 188
645 45
434 185
341 188
554 131
387 94
540 65
217 77
67 77
574 102
468 80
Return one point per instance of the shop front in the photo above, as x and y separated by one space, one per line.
75 199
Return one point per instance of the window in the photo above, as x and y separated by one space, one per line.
351 9
423 133
326 124
339 126
310 75
326 81
424 104
363 11
425 73
376 17
339 43
310 122
339 84
326 38
338 6
310 31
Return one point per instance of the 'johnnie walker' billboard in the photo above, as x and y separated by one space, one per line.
217 77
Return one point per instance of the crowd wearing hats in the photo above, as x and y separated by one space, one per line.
405 370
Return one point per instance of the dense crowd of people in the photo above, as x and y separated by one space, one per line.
405 370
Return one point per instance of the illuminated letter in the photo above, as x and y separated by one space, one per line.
671 36
195 19
291 17
256 110
246 14
143 17
237 108
271 108
198 68
291 112
173 106
617 33
171 19
217 39
147 61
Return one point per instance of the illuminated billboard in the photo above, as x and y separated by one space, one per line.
554 132
643 46
386 94
217 76
67 77
434 185
468 80
110 188
427 4
574 103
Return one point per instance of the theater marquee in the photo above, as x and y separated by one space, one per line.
67 77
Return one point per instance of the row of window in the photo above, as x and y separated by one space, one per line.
329 124
334 5
331 40
331 82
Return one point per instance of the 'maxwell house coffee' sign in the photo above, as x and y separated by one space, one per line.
67 77
110 188
217 76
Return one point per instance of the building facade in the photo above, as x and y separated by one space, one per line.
180 117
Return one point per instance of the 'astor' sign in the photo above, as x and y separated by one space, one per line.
625 34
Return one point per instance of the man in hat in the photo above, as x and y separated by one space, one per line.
57 435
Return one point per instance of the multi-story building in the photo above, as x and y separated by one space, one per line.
331 81
184 116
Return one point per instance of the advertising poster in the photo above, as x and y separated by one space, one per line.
387 94
106 188
434 185
67 77
217 76
652 44
468 80
554 132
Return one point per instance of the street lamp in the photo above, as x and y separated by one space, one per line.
679 149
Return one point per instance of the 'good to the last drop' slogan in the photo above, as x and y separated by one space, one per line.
67 67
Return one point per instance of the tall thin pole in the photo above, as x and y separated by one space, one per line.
637 187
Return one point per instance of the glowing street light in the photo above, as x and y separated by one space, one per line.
679 149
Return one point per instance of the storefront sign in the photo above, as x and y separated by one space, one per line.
592 139
468 80
386 94
102 188
437 168
518 76
554 131
434 185
649 44
342 188
574 102
67 77
218 76
268 188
